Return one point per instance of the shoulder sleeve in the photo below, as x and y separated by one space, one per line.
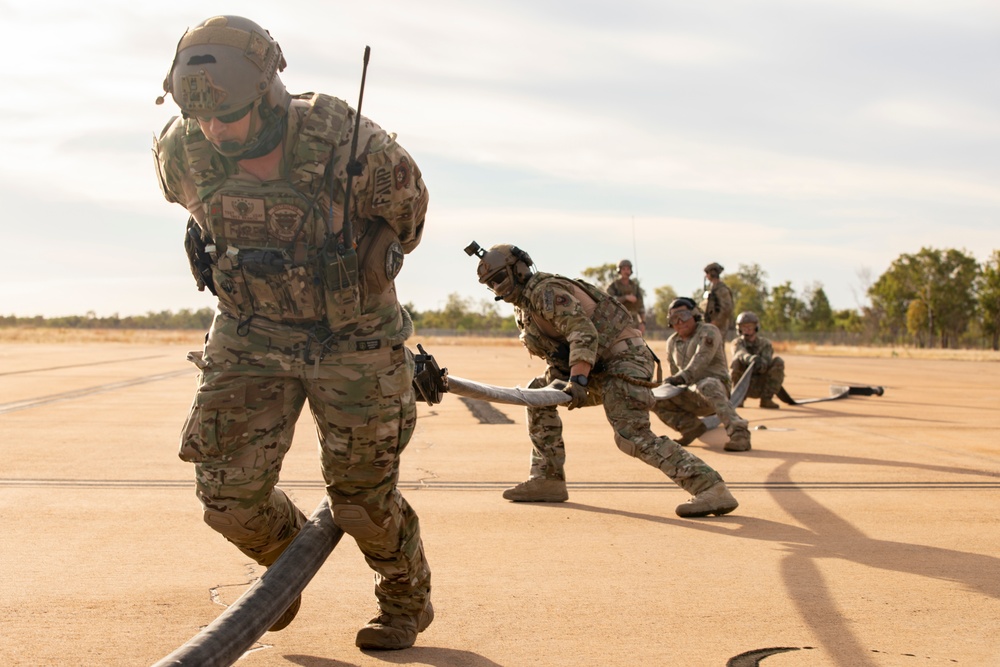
391 187
707 340
559 306
170 161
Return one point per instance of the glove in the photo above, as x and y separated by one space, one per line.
754 359
578 393
676 380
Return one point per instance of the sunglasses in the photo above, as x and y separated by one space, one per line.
232 116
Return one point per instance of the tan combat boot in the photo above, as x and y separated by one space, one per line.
288 616
692 435
538 490
768 403
716 500
390 632
739 441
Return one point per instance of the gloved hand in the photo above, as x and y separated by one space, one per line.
754 359
578 393
676 380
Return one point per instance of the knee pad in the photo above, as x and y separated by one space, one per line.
627 445
355 521
228 525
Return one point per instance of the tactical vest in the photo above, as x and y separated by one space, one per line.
624 290
610 318
267 237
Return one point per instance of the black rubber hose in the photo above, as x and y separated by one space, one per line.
224 640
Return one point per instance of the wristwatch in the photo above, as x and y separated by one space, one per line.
579 379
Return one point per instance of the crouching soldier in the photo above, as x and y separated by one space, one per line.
698 363
751 347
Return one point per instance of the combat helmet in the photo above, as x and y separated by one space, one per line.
714 269
748 316
227 67
504 268
624 262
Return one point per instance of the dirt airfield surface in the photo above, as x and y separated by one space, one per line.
867 533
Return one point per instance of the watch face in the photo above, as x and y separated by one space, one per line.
580 380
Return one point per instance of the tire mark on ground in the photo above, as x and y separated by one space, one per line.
92 363
80 393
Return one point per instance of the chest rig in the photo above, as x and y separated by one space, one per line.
267 239
609 317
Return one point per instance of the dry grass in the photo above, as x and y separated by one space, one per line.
810 349
46 335
50 335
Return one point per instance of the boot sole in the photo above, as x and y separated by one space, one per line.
717 512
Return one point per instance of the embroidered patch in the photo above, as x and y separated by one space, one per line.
562 300
283 221
242 209
393 260
401 174
367 345
382 190
547 298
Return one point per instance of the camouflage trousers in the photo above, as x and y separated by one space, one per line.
765 381
626 406
706 397
252 390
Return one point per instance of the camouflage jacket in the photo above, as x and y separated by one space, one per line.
760 347
289 221
567 321
619 289
719 306
699 357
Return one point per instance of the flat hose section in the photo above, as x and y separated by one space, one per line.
224 640
509 395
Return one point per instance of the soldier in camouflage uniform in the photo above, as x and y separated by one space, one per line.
698 362
719 304
627 291
751 347
306 312
596 355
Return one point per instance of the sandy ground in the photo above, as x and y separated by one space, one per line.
867 535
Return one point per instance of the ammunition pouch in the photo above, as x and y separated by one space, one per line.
263 262
341 289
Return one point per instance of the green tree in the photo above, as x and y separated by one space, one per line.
658 311
988 290
848 321
783 309
917 317
817 315
602 276
749 287
465 315
943 279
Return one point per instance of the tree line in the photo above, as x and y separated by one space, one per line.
932 298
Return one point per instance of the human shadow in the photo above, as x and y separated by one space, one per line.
824 535
417 655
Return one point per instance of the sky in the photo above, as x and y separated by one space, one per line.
819 139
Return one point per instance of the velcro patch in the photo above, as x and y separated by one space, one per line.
367 345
